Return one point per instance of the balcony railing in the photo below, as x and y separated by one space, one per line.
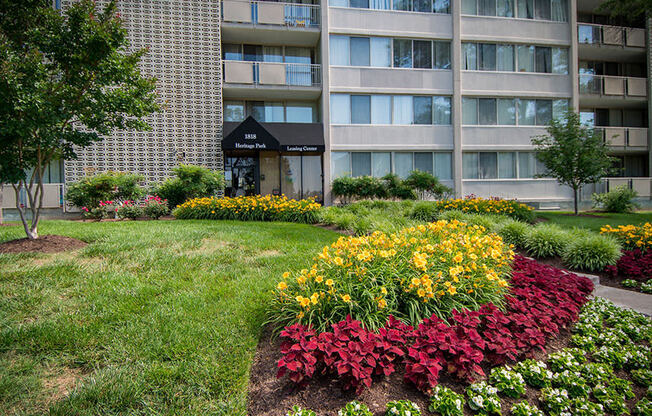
610 35
632 137
272 73
271 13
642 185
613 86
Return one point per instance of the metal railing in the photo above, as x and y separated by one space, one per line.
633 137
593 34
272 73
271 13
613 85
642 185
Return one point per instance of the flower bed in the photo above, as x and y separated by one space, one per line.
631 236
420 271
634 270
511 208
542 301
250 208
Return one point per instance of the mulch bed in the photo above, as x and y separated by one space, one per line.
44 244
269 396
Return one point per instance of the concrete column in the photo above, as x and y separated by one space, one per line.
456 104
648 41
325 101
574 58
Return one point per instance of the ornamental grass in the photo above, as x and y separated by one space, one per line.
250 208
511 208
413 274
631 236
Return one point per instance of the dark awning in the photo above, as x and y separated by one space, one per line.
286 137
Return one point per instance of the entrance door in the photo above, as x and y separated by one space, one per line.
241 174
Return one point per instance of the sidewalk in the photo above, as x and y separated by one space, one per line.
640 302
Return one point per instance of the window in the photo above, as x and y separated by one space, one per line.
274 113
469 56
442 110
402 5
234 111
381 52
442 55
232 52
469 111
487 7
505 8
555 10
340 109
443 166
489 165
470 165
339 50
381 109
423 162
403 164
486 111
543 59
542 9
359 4
506 165
544 112
273 54
559 10
505 58
359 51
301 113
441 6
341 164
486 57
422 110
424 6
469 7
525 58
560 60
360 164
422 54
402 113
402 53
559 108
526 9
506 112
360 109
526 165
381 164
527 112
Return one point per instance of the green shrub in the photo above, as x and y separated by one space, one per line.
592 252
425 184
191 181
495 206
452 215
108 186
155 207
129 210
619 199
368 187
424 211
513 232
546 240
486 221
343 188
396 188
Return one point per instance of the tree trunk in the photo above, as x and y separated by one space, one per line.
31 230
575 200
1 216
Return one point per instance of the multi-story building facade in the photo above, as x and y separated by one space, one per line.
286 97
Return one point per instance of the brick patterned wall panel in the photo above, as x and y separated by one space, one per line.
183 38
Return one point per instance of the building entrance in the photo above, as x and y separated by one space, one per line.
241 176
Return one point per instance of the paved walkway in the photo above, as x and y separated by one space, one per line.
640 302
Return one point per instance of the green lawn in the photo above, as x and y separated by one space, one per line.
597 220
155 318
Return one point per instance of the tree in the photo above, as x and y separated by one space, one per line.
66 79
573 153
630 9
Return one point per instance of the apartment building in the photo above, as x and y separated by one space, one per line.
287 96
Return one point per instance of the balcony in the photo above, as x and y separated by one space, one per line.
268 80
289 24
609 43
606 90
642 185
624 138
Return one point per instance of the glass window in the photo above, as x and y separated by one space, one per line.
505 58
469 7
442 110
301 113
486 57
486 111
256 109
381 52
423 162
234 111
443 166
544 112
527 111
543 59
381 164
539 167
526 9
422 110
442 55
506 112
381 4
403 5
274 112
252 53
359 51
587 118
441 6
505 8
403 164
402 53
402 106
526 165
360 109
525 58
469 56
469 111
542 9
272 54
232 52
559 108
487 7
359 4
559 10
470 165
488 165
340 109
422 54
338 3
560 60
291 176
506 165
311 176
339 50
381 109
360 164
424 6
341 164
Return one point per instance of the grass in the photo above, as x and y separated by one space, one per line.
155 318
596 220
